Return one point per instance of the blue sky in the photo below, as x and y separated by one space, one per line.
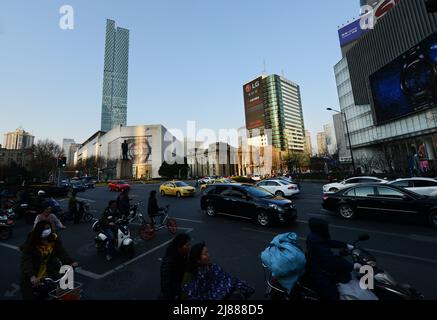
188 60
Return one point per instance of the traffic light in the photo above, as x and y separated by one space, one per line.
62 162
431 5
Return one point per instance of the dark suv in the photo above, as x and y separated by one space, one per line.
248 202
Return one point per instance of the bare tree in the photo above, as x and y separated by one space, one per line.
45 155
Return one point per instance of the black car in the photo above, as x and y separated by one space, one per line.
248 202
77 185
380 199
88 183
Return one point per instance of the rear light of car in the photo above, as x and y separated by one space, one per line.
292 187
10 222
325 197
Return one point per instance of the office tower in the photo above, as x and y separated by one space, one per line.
18 139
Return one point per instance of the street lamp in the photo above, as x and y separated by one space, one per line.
348 135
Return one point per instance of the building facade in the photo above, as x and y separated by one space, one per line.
322 149
331 141
115 77
344 155
21 157
308 148
18 140
388 145
149 146
274 103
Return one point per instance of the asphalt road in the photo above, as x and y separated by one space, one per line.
405 247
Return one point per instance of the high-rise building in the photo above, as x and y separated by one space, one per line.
321 144
340 136
18 140
308 146
274 103
331 141
115 77
66 143
389 114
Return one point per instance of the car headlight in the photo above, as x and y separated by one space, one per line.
275 207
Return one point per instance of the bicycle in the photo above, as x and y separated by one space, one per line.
147 230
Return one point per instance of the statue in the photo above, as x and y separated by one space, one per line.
125 149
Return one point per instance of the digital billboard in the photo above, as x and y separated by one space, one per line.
350 33
254 104
408 84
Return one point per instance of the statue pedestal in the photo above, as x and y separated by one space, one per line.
124 169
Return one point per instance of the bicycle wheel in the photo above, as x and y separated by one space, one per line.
146 232
88 217
172 226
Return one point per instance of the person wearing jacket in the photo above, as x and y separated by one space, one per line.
152 208
325 269
48 216
73 207
108 219
173 267
123 203
42 256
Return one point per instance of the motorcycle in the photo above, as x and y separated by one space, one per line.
83 212
385 286
123 240
6 225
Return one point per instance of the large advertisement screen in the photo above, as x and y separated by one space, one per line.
254 104
408 84
350 33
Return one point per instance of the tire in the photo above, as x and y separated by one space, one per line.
129 251
5 233
279 194
263 219
162 193
88 217
210 210
346 212
433 219
178 194
172 226
146 232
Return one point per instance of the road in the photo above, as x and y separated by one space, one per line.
405 247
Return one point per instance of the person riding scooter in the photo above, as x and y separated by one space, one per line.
109 217
325 269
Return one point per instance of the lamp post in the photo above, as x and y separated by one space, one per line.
348 135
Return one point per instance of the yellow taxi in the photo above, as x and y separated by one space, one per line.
220 180
176 188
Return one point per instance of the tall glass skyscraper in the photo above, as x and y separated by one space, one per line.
115 77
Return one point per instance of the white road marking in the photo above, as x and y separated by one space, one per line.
10 246
189 220
417 237
84 199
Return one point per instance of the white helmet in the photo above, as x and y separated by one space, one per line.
41 192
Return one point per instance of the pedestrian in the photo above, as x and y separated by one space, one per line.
173 267
206 281
42 256
72 207
48 216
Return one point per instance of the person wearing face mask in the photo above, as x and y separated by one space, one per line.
204 281
48 216
42 256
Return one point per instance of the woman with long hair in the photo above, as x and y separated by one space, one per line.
42 256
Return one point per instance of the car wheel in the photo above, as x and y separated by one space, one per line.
346 211
433 219
210 210
279 194
333 190
263 219
162 193
178 194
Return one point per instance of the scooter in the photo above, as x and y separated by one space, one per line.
6 225
123 240
385 286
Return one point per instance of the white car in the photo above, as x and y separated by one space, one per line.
279 188
336 186
423 186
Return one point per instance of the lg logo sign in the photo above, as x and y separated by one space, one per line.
251 87
370 15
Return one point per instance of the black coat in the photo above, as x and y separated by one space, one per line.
153 208
123 204
172 273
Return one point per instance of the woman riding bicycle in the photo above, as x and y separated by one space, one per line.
153 209
43 255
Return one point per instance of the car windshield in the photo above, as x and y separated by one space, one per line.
181 184
258 192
